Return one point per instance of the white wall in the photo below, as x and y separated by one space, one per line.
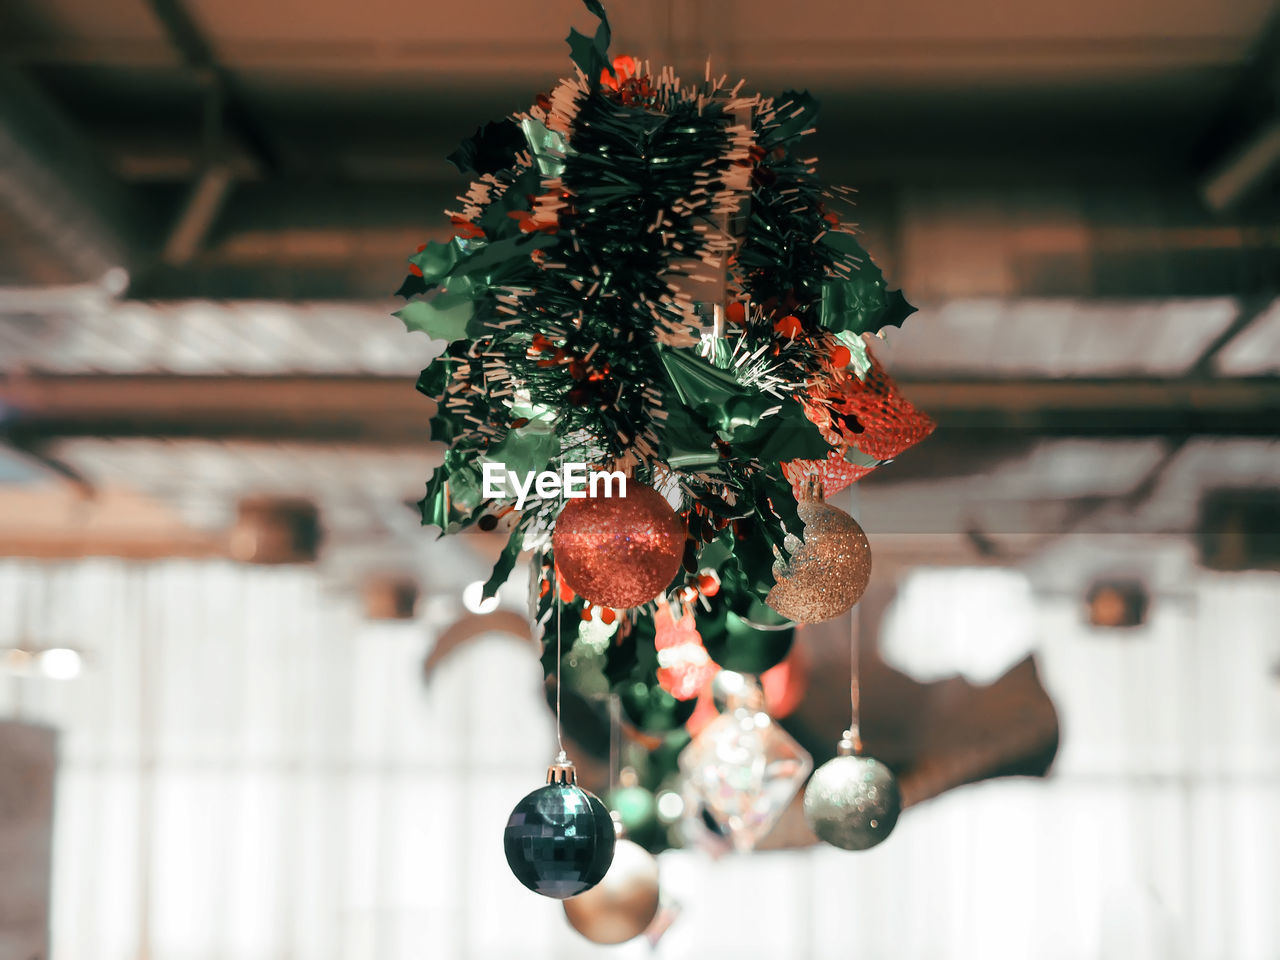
249 772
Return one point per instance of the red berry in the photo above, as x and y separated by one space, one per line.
789 326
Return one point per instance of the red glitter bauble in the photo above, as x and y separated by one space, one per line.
619 551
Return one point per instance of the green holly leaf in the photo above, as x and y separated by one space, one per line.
435 505
860 358
444 317
752 558
546 146
526 449
446 427
436 260
495 222
797 111
506 563
896 310
412 286
863 303
435 376
591 54
686 443
491 148
786 435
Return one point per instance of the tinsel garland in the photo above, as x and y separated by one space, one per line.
649 276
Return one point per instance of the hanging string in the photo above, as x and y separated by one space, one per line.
854 733
615 740
561 757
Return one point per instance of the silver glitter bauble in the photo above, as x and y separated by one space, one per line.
624 903
829 568
852 802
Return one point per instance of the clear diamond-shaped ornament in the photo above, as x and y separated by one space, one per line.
740 773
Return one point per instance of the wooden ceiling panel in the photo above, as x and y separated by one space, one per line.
992 22
48 24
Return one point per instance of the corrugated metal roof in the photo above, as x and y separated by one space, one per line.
1053 338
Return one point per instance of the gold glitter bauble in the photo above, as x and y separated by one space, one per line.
624 903
852 802
619 551
829 568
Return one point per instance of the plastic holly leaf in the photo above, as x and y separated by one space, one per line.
446 427
591 54
435 376
453 492
546 146
686 444
897 309
413 286
506 563
436 261
697 382
435 505
491 148
525 449
491 262
752 559
797 111
444 317
859 356
775 500
862 303
496 221
786 435
714 554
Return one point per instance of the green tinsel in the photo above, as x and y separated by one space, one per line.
572 337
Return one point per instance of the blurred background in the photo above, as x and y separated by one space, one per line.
215 599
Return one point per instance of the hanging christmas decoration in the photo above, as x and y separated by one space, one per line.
829 567
648 278
560 838
742 771
735 643
683 664
622 905
618 551
636 809
852 801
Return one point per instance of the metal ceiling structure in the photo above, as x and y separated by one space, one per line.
203 207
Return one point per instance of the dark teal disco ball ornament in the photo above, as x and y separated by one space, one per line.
560 838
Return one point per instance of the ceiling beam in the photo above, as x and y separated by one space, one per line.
198 214
54 185
373 410
346 240
1250 310
387 411
1240 152
188 39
